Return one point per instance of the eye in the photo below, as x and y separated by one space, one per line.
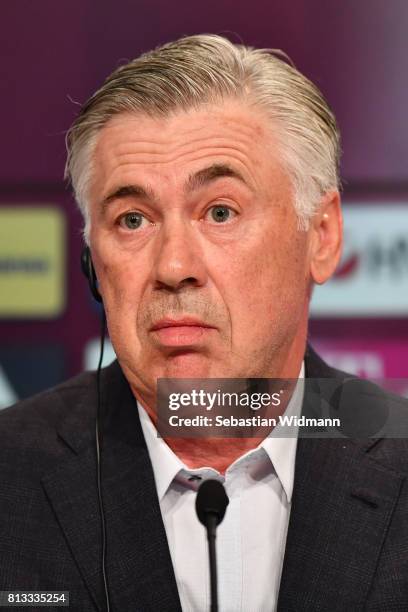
221 213
132 220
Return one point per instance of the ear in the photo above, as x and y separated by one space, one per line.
326 238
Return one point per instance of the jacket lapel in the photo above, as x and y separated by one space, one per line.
341 507
139 568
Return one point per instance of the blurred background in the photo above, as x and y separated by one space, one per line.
55 54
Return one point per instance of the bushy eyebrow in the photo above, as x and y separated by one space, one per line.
211 173
194 182
130 191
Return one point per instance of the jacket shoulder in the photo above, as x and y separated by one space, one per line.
37 417
372 417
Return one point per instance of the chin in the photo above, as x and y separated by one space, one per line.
187 364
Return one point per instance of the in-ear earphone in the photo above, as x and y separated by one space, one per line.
89 271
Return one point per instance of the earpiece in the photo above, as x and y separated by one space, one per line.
89 271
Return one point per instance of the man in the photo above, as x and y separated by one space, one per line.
207 174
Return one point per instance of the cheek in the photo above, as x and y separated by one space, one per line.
266 281
114 283
121 295
119 272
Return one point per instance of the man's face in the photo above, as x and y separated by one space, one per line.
194 238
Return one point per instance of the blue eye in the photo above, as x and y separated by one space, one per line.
132 220
221 214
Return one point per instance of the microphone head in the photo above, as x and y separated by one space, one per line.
211 500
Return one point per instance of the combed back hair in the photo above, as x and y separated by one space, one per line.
209 69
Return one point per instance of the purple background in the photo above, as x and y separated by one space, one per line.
56 52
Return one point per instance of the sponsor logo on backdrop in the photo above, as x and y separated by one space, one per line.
8 395
367 364
26 369
372 277
32 261
92 352
371 358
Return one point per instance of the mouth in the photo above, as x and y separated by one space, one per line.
186 331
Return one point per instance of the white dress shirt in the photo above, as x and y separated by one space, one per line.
252 537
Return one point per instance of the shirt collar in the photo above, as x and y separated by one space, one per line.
280 450
166 464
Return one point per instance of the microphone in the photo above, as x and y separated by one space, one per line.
211 503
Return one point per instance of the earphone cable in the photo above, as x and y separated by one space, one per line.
98 444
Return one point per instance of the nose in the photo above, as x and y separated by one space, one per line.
179 260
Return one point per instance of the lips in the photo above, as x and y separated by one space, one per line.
186 331
184 322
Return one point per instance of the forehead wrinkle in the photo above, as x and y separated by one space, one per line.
153 147
160 151
235 156
167 157
164 129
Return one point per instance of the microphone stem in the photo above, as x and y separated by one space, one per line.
211 535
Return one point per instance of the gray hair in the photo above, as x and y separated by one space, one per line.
210 69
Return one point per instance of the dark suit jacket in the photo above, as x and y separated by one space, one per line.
347 545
